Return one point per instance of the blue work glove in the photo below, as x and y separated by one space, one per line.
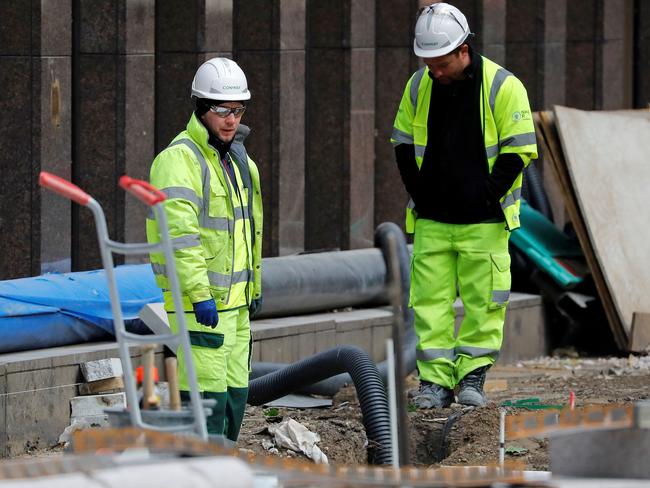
255 306
206 313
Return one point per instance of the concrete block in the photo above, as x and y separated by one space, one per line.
306 344
92 420
610 453
84 406
325 340
276 350
361 337
285 326
38 409
379 335
101 369
362 318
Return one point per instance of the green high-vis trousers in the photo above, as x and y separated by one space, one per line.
472 259
222 362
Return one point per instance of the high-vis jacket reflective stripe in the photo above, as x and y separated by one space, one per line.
505 117
215 225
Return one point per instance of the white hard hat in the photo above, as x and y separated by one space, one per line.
439 30
220 79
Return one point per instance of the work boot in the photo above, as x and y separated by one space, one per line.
431 395
471 388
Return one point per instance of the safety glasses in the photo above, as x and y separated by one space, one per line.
226 111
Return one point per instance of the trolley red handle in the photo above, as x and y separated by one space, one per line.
63 188
143 191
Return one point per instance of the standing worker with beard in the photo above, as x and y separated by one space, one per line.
462 136
214 209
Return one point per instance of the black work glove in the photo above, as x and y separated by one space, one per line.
255 306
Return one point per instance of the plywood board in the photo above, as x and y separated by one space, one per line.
607 156
550 142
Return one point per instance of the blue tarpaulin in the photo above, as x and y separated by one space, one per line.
71 308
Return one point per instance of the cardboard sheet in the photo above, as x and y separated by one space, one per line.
606 156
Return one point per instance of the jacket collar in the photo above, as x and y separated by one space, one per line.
199 132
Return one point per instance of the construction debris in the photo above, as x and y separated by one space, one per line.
295 436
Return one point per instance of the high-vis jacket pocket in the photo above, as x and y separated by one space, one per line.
206 339
218 202
500 280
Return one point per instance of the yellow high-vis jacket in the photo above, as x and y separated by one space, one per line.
505 117
215 226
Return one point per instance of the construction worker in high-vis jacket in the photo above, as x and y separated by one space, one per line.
462 136
214 209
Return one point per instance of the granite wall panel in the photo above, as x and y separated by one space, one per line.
51 224
55 26
138 144
395 62
581 20
95 154
174 73
554 54
521 21
260 116
257 25
291 149
492 41
98 26
326 167
216 32
642 55
16 156
15 28
393 70
326 79
361 151
522 61
580 74
327 23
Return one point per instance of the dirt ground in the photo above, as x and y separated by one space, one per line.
473 433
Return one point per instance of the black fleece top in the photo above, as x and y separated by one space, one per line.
453 184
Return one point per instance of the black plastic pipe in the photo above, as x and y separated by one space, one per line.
316 282
373 265
366 379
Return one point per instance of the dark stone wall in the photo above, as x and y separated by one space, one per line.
99 99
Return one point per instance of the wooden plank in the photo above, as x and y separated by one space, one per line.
606 159
109 385
640 335
552 142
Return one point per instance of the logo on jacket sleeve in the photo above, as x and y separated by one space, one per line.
521 115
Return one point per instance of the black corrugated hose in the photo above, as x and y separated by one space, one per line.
368 383
353 361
